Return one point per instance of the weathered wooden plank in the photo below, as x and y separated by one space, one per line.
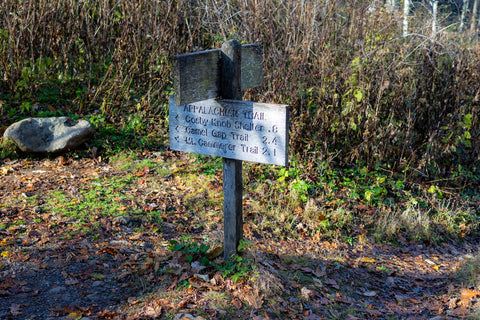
252 66
231 70
197 76
232 206
232 168
241 130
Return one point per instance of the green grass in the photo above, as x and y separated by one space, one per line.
101 197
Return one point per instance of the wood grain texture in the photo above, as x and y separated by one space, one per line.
197 76
252 66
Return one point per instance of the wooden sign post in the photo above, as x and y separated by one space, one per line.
231 128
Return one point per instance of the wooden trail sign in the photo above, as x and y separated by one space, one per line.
229 127
233 129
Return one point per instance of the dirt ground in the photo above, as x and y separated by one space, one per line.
47 271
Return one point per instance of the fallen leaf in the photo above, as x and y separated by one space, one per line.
468 294
15 309
110 250
202 277
251 296
429 262
185 316
374 313
71 281
133 300
458 312
367 260
369 293
74 316
237 303
182 304
306 293
318 282
6 170
332 283
106 314
341 298
215 252
7 242
452 303
464 303
98 276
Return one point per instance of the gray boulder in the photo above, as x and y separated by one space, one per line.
55 134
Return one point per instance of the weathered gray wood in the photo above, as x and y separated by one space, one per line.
241 130
234 129
197 76
252 66
232 169
232 206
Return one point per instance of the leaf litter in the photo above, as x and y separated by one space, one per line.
60 259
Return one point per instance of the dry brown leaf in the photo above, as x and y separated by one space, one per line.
452 303
341 298
106 314
468 294
464 303
458 312
237 303
374 313
182 304
332 283
215 252
110 250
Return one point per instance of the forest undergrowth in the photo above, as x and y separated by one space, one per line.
377 119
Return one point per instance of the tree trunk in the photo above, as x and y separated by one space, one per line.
391 5
464 14
473 25
434 16
406 12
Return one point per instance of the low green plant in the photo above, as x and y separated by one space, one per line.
236 268
184 284
8 148
192 250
